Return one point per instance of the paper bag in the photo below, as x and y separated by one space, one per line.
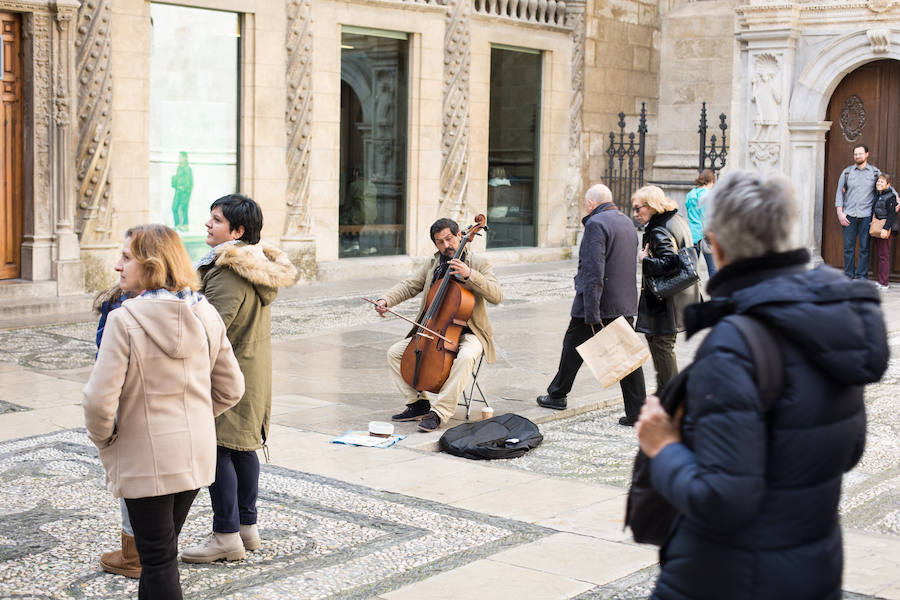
614 352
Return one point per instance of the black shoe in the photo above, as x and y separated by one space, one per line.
430 422
414 411
627 422
551 402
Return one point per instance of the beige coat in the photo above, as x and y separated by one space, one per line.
482 282
242 283
164 371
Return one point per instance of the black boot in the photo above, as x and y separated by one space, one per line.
414 411
548 401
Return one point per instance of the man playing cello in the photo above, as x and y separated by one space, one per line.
475 274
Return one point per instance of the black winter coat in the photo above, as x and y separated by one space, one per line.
757 494
606 281
666 316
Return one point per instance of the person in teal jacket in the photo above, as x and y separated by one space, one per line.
695 215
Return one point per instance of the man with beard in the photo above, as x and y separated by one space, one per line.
475 274
853 203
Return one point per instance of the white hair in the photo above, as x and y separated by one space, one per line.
598 194
751 214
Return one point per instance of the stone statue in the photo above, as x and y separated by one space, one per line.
766 96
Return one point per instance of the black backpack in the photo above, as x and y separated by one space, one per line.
649 515
503 436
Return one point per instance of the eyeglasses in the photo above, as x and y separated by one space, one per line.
638 207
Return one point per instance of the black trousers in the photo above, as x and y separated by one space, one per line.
157 521
633 390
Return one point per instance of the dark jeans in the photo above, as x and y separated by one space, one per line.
883 250
710 263
662 350
633 391
858 229
156 522
233 493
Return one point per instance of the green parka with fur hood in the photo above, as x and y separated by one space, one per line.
241 283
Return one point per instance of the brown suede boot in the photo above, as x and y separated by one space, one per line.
125 561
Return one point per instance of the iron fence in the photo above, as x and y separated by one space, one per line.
713 155
625 161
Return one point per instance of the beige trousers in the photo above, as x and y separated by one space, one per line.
443 403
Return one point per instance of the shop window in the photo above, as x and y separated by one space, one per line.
194 112
513 147
374 93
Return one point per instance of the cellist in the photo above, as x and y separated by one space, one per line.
474 273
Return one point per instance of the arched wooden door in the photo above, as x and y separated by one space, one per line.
862 110
11 148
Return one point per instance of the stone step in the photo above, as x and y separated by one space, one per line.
12 289
27 312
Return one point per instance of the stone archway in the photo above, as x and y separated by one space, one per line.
818 78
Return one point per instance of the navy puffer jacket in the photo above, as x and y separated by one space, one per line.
758 494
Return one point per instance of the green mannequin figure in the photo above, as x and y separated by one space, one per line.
183 182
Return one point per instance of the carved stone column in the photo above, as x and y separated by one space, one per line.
68 269
93 152
807 173
575 176
455 126
297 239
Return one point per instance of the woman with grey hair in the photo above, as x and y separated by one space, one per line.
756 482
660 319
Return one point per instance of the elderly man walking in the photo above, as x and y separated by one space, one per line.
605 289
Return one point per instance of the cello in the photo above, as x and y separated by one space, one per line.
427 359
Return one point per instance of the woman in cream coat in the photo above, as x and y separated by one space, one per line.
164 371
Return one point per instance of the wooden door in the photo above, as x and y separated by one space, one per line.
11 146
862 110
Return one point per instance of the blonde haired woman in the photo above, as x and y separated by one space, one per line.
165 369
661 319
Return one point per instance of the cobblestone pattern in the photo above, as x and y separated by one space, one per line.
322 538
871 494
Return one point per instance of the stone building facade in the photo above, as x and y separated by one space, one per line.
356 123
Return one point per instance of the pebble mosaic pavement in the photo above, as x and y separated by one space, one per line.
323 538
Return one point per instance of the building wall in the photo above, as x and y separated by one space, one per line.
621 70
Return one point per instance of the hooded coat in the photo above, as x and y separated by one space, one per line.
242 283
164 370
757 493
666 316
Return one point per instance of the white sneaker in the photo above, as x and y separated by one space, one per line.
216 546
882 287
250 537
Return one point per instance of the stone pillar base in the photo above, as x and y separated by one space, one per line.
302 252
69 275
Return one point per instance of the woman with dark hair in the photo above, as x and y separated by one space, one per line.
694 208
753 469
240 277
661 319
164 370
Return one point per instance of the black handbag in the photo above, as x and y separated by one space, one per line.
649 515
666 286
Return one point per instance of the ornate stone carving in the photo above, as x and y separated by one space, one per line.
764 154
92 156
574 180
766 86
298 222
853 118
455 130
544 12
879 39
880 6
38 28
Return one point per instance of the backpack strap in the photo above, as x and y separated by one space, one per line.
766 355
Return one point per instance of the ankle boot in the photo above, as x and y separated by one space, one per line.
216 546
125 561
250 537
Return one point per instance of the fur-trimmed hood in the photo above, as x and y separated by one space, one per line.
266 267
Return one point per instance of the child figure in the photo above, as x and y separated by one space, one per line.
124 561
885 207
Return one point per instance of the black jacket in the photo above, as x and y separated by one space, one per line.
664 317
757 494
885 208
606 281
